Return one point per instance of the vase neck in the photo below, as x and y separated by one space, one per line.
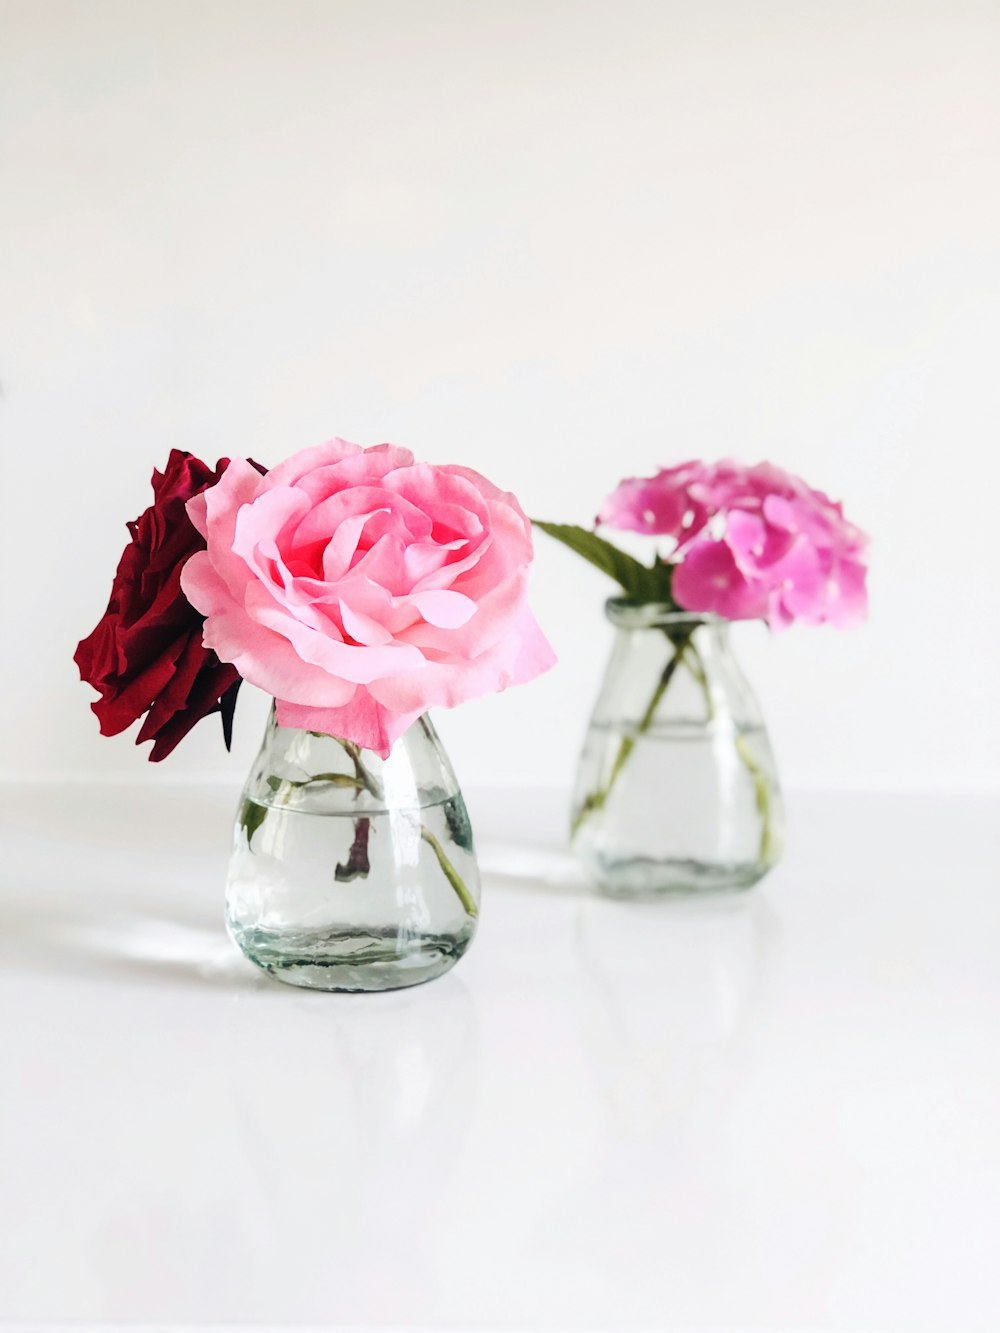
310 768
674 667
678 626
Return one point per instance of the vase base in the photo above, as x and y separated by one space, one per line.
642 878
350 960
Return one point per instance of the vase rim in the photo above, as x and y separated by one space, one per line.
629 613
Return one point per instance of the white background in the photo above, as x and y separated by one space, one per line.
555 241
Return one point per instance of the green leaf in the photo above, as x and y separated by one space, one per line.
635 579
663 578
286 785
457 818
252 816
335 780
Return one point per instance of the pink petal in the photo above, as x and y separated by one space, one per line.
309 461
262 521
263 658
365 468
521 655
342 547
451 500
323 519
467 554
238 485
424 558
497 611
848 595
447 610
709 579
364 629
494 496
349 662
746 537
363 721
640 505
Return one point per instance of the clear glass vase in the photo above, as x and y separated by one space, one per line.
349 872
676 789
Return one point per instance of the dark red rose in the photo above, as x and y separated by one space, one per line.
146 654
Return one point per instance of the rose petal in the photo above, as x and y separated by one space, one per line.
364 629
363 721
447 610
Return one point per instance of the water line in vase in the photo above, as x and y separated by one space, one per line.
365 780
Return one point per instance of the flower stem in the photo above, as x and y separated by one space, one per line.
357 865
598 799
365 780
694 664
686 651
762 795
450 873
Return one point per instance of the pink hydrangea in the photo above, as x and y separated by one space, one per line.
660 506
749 542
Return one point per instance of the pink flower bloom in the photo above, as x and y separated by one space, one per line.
656 506
750 542
360 588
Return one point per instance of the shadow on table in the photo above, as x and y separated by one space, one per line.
534 869
174 946
99 888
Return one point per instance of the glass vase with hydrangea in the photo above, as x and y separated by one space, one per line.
677 788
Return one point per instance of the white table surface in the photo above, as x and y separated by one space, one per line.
779 1110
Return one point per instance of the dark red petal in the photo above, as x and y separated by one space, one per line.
118 711
215 686
174 695
146 654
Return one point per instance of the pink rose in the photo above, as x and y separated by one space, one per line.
361 588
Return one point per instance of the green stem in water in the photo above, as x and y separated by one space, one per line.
334 779
450 873
364 780
686 651
694 664
370 783
761 783
598 799
762 795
